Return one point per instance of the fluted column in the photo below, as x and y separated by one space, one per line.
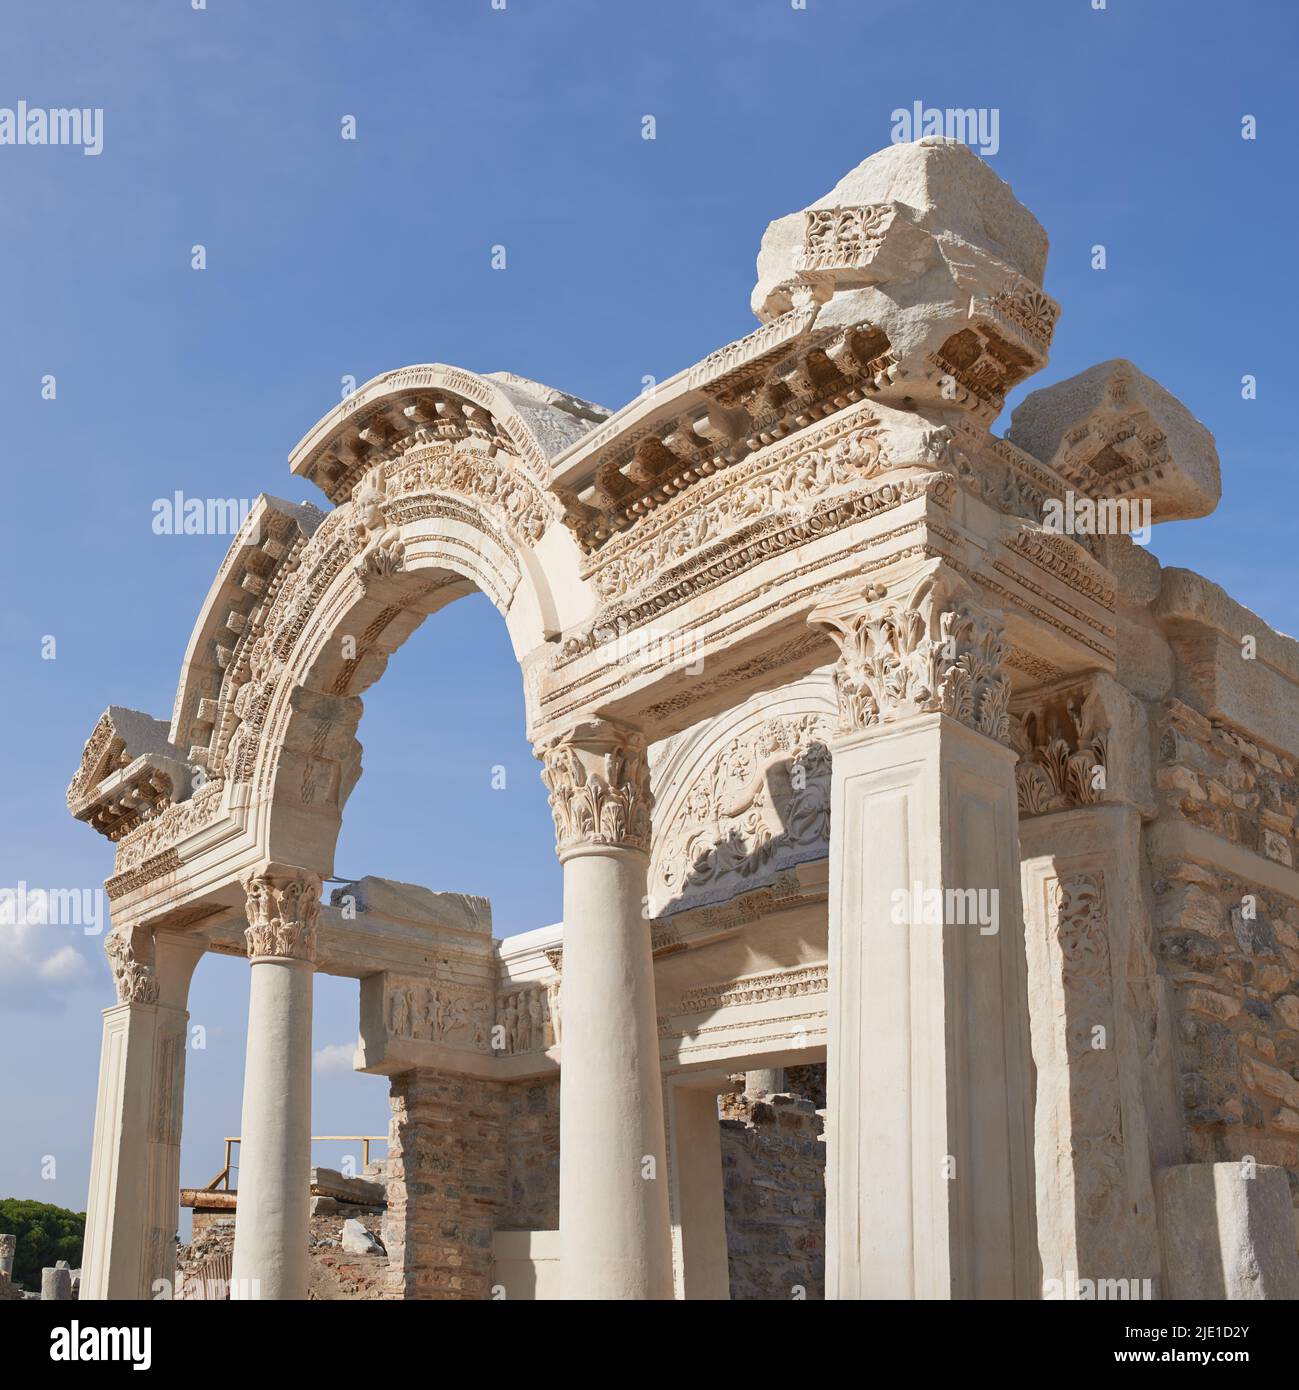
613 1204
929 1184
272 1215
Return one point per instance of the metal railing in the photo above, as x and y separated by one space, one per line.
223 1177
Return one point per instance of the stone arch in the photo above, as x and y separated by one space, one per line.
363 587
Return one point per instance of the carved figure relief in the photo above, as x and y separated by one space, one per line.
455 1015
761 793
523 1016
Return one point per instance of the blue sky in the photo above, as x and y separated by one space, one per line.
626 257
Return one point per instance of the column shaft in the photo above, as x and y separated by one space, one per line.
613 1212
132 1210
929 1182
273 1211
615 1239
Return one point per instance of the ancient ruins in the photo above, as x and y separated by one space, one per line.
855 756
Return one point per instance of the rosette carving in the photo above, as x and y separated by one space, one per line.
283 912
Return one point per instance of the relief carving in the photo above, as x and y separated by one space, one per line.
1080 927
1062 745
766 792
454 1015
523 1019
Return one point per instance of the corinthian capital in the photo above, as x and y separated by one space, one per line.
130 957
598 780
283 912
918 646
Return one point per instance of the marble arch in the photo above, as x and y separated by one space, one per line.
796 638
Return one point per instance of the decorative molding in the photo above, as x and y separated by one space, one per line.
166 862
283 912
1079 925
491 482
598 780
170 827
755 989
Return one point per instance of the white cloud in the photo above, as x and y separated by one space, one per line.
334 1059
37 963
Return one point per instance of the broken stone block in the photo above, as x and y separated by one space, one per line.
329 1182
1112 431
357 1239
921 272
1227 1235
56 1283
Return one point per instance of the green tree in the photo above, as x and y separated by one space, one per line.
45 1234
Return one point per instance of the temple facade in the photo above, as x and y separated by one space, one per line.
872 739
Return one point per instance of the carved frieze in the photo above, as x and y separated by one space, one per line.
775 483
171 826
439 1012
492 482
523 1021
756 989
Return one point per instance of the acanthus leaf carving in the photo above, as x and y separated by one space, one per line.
283 912
1062 744
598 780
130 959
929 652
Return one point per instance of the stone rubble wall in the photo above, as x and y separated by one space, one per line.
773 1170
1230 947
470 1157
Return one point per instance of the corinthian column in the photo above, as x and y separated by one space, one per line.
929 1185
613 1203
271 1217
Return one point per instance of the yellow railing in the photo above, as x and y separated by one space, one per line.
223 1177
